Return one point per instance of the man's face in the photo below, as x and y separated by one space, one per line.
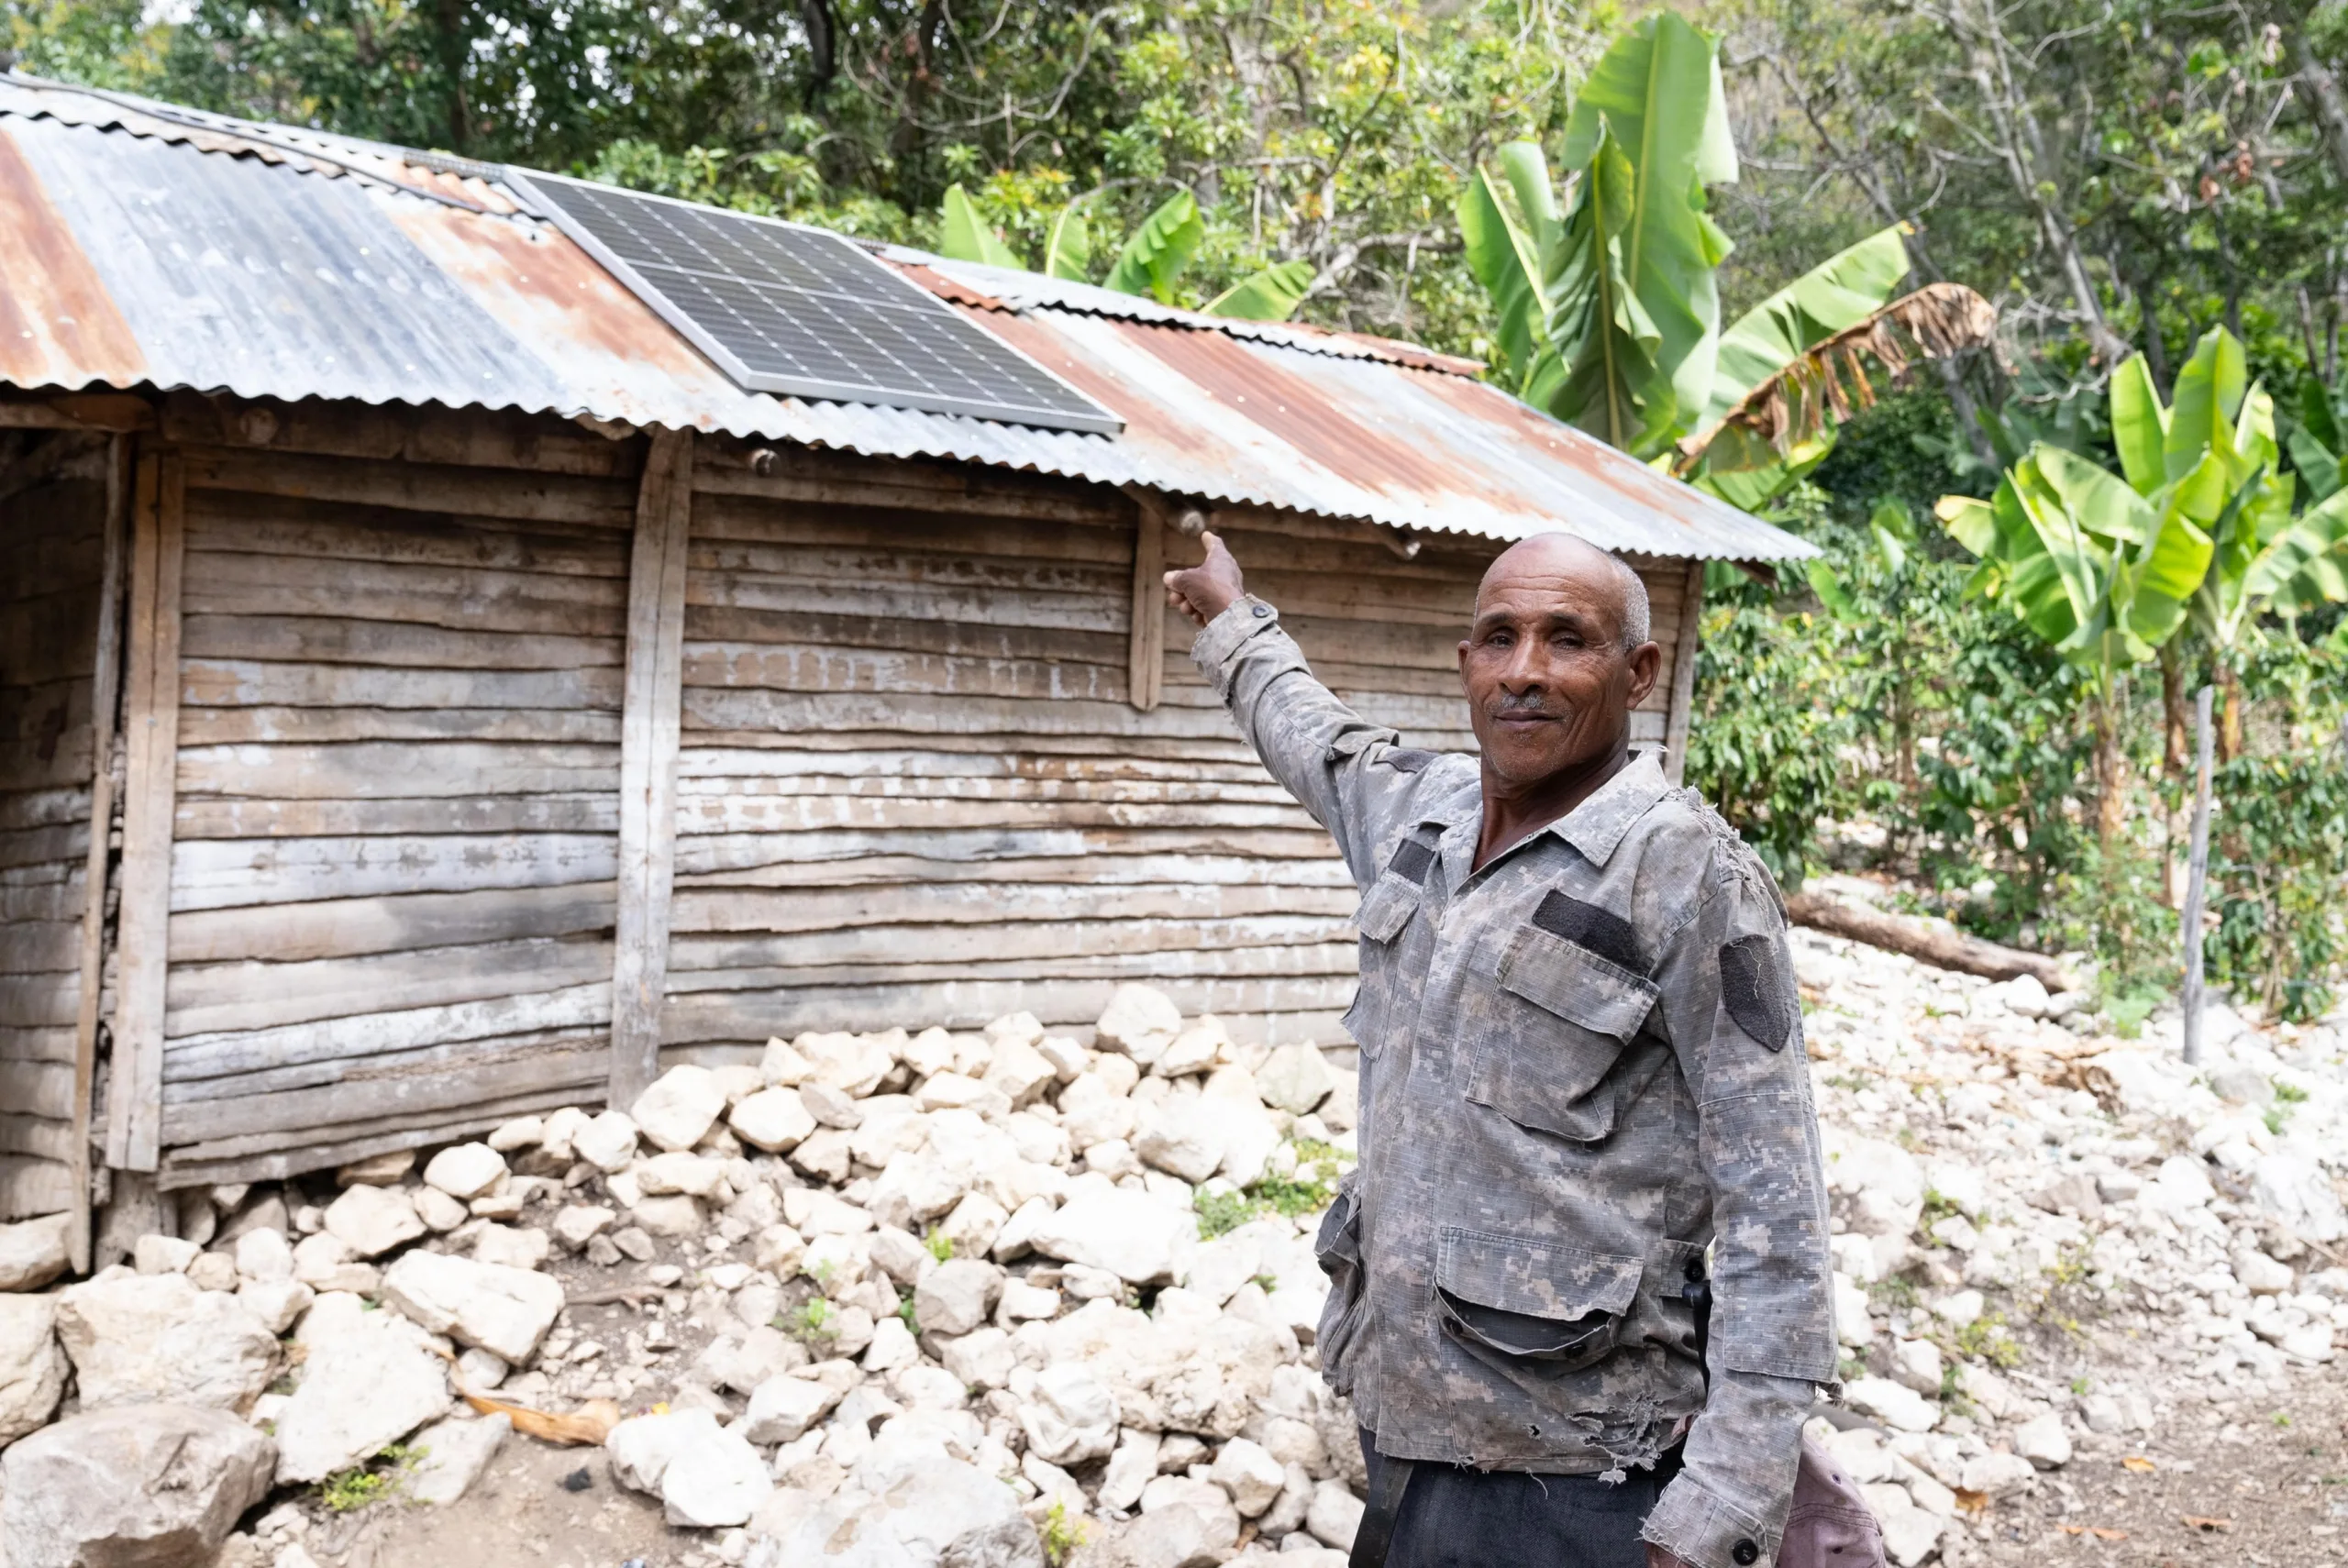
1550 687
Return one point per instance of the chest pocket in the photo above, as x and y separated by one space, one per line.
1385 1003
1560 1025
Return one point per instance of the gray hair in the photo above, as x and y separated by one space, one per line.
1639 618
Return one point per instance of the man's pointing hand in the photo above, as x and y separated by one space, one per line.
1207 589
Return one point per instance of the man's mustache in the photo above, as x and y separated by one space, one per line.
1527 705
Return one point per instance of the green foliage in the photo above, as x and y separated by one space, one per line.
940 1245
1062 1535
811 1324
2279 879
1159 250
347 1491
965 236
1312 1188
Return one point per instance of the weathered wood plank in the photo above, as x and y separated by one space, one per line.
40 845
237 726
45 808
704 770
1083 612
720 561
464 599
218 999
267 1080
866 872
209 874
273 1156
972 1003
50 762
808 813
38 946
37 1088
379 770
833 480
522 496
53 1043
39 1001
1316 963
33 1187
275 525
696 793
738 852
1683 673
1145 655
791 713
37 1136
707 625
46 709
1250 944
201 818
327 639
358 1098
150 727
726 519
768 666
474 436
1171 748
56 897
376 1033
347 927
658 569
989 903
247 683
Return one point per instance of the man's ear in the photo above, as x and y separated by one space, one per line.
1646 663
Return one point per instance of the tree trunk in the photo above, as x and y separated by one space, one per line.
2331 112
1926 942
2229 727
2174 736
2110 767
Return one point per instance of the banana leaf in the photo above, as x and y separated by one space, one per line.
1840 292
1068 253
968 236
1508 257
2207 394
1272 294
2139 424
2318 464
1650 130
1158 251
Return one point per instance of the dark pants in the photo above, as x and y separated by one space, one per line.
1452 1517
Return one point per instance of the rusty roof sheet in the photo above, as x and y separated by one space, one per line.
147 244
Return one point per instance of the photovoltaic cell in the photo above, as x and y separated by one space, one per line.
784 308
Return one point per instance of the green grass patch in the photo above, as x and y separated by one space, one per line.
348 1491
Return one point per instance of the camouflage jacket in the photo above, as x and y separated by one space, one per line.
1580 1065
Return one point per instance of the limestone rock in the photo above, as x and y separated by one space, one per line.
1140 1021
1917 1364
1295 1078
1172 1537
32 1364
372 1220
136 1338
1131 1468
1252 1477
1195 1049
1201 1498
1073 1416
1334 1516
513 1247
580 1223
506 1311
679 1107
1892 1403
164 1254
455 1453
641 1447
955 1297
377 1170
775 1120
465 1171
265 1255
607 1141
149 1486
713 1480
32 1251
2042 1441
783 1408
276 1302
1183 1140
368 1379
1129 1234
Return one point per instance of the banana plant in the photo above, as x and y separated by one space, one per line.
1151 262
1607 309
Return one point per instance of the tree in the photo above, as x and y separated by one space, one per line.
1608 313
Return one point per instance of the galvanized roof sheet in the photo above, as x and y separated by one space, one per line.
147 245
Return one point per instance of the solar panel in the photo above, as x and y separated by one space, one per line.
784 308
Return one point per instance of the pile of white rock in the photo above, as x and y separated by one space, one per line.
879 1298
2049 1240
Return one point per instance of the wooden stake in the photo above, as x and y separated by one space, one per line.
1146 666
2197 877
150 745
107 689
1677 719
648 732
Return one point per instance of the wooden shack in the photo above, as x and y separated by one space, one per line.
459 761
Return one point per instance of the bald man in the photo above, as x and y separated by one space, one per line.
1581 1067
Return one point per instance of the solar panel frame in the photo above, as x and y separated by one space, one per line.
835 279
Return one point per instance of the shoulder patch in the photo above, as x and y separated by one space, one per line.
1602 930
1753 988
1410 860
1403 759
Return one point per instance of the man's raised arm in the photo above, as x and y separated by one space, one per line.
1347 771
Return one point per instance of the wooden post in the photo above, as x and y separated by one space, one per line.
106 693
652 695
1146 659
2197 877
151 746
1675 721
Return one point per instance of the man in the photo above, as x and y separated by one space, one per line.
1581 1062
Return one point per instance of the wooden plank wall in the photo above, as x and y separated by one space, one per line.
912 788
392 883
53 492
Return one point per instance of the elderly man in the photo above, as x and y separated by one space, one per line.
1581 1063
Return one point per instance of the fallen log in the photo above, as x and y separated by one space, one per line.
1928 942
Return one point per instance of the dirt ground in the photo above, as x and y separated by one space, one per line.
2261 1482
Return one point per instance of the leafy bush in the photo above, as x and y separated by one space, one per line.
2277 879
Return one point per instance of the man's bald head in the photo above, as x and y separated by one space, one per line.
1551 555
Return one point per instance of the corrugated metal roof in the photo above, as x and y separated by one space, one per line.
146 245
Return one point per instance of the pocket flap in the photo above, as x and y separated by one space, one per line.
1539 1279
1575 983
1387 907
